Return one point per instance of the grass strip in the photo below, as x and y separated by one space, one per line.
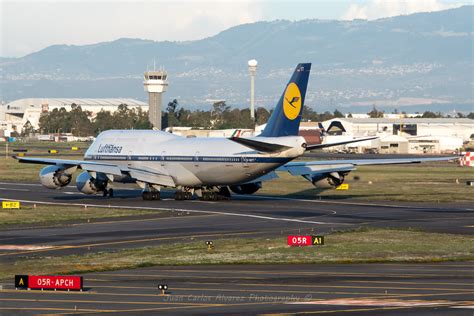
360 246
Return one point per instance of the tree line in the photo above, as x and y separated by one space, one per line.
220 116
80 122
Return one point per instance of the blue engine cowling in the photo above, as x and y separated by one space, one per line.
54 177
326 180
89 185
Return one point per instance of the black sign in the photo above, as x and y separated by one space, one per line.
317 240
21 281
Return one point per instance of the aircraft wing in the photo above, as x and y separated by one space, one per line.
141 174
345 165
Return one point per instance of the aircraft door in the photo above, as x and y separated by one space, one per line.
162 158
245 161
129 158
196 159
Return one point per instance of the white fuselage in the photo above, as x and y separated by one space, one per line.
192 162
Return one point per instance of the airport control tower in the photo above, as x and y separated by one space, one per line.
155 84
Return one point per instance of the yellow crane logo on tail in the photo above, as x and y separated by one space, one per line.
292 101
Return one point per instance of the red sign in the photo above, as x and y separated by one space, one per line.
299 240
305 240
55 282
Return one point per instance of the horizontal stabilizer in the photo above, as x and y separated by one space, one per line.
319 146
258 145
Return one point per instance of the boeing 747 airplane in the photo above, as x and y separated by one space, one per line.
206 167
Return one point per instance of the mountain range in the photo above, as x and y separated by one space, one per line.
413 62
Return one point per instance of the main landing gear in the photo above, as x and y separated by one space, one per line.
150 195
183 195
109 192
213 195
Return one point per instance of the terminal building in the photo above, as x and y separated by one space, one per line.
15 114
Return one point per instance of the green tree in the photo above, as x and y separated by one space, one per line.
27 130
429 114
337 113
55 121
103 121
171 118
123 117
471 115
261 116
219 109
309 114
325 116
375 113
79 122
141 120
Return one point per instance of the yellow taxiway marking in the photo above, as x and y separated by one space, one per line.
299 272
177 307
232 290
355 294
309 273
48 292
136 310
54 248
177 276
352 310
333 287
404 282
106 302
321 286
51 309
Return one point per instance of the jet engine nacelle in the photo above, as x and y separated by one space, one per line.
248 188
327 180
55 177
89 185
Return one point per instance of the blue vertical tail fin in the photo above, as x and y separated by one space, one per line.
285 119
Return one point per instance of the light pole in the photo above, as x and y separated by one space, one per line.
253 71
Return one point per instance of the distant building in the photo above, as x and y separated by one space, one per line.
385 115
17 113
454 127
406 135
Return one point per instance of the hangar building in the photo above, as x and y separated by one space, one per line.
455 127
16 113
407 135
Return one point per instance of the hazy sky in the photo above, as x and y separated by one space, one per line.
28 26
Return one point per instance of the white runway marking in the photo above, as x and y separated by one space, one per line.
372 302
343 203
182 210
23 247
280 198
10 189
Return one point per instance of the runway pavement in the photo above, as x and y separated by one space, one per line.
375 289
180 220
426 288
